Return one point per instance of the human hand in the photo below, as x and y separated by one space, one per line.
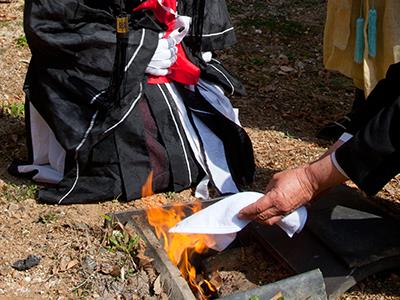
164 57
293 188
285 192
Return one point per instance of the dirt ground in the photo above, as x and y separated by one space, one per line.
278 57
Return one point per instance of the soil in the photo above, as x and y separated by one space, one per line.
278 58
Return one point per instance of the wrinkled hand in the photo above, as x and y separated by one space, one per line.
164 57
291 189
285 192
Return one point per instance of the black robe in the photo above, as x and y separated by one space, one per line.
372 157
113 144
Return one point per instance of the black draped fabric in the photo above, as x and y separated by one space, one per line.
372 157
217 32
112 144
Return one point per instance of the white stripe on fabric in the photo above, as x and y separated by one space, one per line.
95 115
179 133
129 110
73 186
188 128
337 166
97 96
136 51
218 33
230 83
76 156
345 137
201 111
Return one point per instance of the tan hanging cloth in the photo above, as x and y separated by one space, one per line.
339 40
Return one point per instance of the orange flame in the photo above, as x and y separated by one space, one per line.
147 188
180 247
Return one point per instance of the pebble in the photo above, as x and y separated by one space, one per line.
27 263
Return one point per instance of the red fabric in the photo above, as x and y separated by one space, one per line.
182 70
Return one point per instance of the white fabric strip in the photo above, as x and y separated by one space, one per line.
201 191
218 33
215 96
48 154
190 132
46 174
137 50
344 138
226 78
179 134
337 166
216 159
92 121
129 110
46 148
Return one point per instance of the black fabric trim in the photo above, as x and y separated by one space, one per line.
215 72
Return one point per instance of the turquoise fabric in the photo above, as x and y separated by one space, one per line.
372 18
359 45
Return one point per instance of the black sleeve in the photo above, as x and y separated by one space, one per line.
372 157
385 92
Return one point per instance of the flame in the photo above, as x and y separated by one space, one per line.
180 247
147 188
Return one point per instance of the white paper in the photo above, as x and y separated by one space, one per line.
220 219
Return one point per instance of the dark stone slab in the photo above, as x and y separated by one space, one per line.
309 285
356 230
346 237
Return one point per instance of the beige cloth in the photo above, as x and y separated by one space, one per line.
339 40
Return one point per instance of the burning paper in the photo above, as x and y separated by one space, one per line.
214 227
220 219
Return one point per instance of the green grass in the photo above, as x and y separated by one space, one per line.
50 217
15 110
18 192
21 41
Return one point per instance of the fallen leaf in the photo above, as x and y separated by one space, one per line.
62 267
72 264
112 270
287 69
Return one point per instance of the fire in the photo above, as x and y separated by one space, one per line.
180 247
147 188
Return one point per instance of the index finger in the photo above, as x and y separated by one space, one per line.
251 211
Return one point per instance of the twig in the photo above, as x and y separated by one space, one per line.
83 282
